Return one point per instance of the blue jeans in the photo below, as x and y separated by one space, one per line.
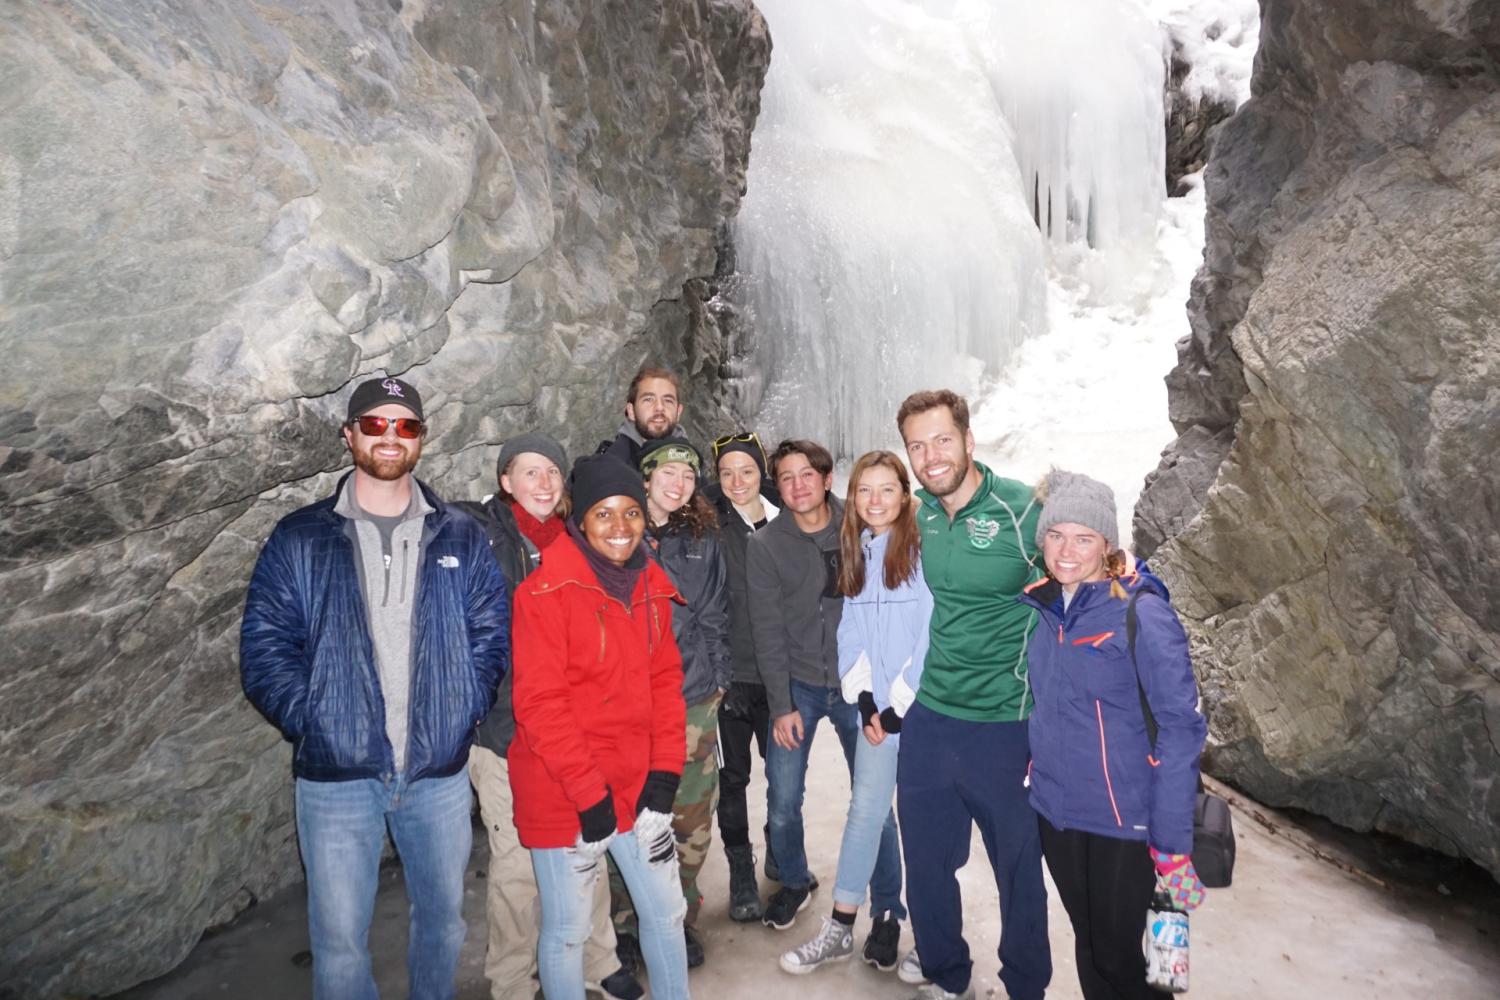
951 776
786 780
565 882
341 828
869 813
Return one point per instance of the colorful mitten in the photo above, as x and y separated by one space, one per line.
1176 877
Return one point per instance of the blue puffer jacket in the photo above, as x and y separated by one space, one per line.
307 661
1092 768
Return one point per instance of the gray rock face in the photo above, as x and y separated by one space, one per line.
1191 123
215 216
1330 509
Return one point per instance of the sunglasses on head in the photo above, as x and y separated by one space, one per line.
743 437
406 427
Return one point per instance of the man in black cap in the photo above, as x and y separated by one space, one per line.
379 692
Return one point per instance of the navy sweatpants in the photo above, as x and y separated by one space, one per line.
952 774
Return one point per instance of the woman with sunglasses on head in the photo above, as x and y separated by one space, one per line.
746 500
525 516
1115 811
682 536
882 640
600 729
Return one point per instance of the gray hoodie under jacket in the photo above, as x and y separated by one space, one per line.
795 607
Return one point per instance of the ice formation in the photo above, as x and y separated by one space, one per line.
914 169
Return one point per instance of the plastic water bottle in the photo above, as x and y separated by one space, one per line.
1166 946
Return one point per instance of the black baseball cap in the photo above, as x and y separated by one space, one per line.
379 391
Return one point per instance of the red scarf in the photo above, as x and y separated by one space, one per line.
541 533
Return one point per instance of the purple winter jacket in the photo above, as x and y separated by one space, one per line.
1092 766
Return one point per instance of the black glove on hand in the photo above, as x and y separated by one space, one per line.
867 709
598 820
736 703
659 791
890 721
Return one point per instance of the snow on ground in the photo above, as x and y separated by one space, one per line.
1088 395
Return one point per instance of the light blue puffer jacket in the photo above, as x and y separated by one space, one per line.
883 633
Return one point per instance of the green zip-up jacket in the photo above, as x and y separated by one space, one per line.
976 566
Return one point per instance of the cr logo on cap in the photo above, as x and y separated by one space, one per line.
391 386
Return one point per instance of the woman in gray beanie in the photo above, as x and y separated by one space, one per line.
1113 786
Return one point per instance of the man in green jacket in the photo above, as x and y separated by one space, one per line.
964 750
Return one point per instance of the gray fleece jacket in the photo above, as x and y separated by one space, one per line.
390 583
792 578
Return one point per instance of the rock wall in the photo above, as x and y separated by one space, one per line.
1328 516
214 216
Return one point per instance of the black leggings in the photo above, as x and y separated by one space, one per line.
744 716
1106 884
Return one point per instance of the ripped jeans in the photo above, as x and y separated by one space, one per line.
565 883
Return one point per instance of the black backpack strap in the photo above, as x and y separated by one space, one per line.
1130 631
1151 727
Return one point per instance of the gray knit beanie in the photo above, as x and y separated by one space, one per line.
1073 498
533 441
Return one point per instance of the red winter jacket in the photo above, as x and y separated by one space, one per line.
598 695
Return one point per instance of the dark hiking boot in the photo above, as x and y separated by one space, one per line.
773 871
628 951
694 947
744 893
881 946
621 985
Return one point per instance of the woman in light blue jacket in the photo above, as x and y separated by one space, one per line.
882 641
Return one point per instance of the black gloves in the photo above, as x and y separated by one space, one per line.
890 721
598 820
867 709
659 791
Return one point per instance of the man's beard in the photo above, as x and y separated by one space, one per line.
647 434
387 469
960 472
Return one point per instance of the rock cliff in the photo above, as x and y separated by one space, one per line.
215 216
1328 516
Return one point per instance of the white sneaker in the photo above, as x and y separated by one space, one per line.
833 943
910 969
932 991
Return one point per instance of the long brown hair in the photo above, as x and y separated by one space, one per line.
697 517
905 546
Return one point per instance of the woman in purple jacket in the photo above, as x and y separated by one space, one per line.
1116 811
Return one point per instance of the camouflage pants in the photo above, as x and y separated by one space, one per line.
692 817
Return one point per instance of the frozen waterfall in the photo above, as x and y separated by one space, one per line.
916 169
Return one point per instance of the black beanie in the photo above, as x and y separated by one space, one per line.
596 477
750 448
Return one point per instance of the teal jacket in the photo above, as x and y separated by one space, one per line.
976 565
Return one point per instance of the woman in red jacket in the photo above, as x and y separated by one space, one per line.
600 730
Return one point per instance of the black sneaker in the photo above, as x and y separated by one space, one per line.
622 986
744 893
784 906
881 946
694 947
628 951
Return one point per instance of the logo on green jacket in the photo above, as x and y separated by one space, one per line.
982 531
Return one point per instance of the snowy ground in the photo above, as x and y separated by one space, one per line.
1088 395
1293 926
